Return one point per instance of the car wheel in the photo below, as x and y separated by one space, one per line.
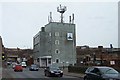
15 70
36 70
48 74
45 74
61 75
85 78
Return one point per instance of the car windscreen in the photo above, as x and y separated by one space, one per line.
33 65
108 71
54 68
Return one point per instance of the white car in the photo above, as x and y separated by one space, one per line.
23 64
14 64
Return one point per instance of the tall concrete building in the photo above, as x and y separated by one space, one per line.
55 44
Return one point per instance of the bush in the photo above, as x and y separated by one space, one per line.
82 69
77 69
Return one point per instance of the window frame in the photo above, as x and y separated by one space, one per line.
56 51
57 34
57 42
57 60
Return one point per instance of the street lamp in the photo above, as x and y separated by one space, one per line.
63 64
94 58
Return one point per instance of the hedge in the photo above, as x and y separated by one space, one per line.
77 69
82 69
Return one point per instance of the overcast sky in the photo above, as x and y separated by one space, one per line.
96 22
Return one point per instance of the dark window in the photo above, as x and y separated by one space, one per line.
49 61
95 70
37 59
57 60
90 69
57 51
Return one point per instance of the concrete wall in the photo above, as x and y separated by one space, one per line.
67 50
36 44
53 42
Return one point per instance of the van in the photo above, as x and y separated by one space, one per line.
23 64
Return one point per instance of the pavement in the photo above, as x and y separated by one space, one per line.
79 75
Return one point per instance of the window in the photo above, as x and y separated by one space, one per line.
37 59
69 36
50 34
56 33
90 69
57 51
95 70
49 61
57 60
57 42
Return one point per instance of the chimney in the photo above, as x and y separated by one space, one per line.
43 29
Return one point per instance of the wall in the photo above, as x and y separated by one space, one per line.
104 54
67 54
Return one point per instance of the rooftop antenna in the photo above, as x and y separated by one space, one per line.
50 17
72 18
61 10
69 19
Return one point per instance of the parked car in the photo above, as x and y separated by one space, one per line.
23 64
18 67
101 73
13 64
53 71
9 62
34 67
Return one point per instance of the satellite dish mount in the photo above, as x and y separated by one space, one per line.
61 10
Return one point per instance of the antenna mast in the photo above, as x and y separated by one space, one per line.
50 17
61 10
72 18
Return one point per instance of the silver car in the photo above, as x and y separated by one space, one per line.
101 73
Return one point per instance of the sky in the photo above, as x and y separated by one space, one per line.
96 21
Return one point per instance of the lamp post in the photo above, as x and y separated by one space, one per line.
94 58
63 64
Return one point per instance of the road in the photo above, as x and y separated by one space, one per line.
9 73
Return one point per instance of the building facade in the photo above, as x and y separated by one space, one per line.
1 47
55 44
19 55
98 56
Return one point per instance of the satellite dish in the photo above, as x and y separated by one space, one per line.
61 10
